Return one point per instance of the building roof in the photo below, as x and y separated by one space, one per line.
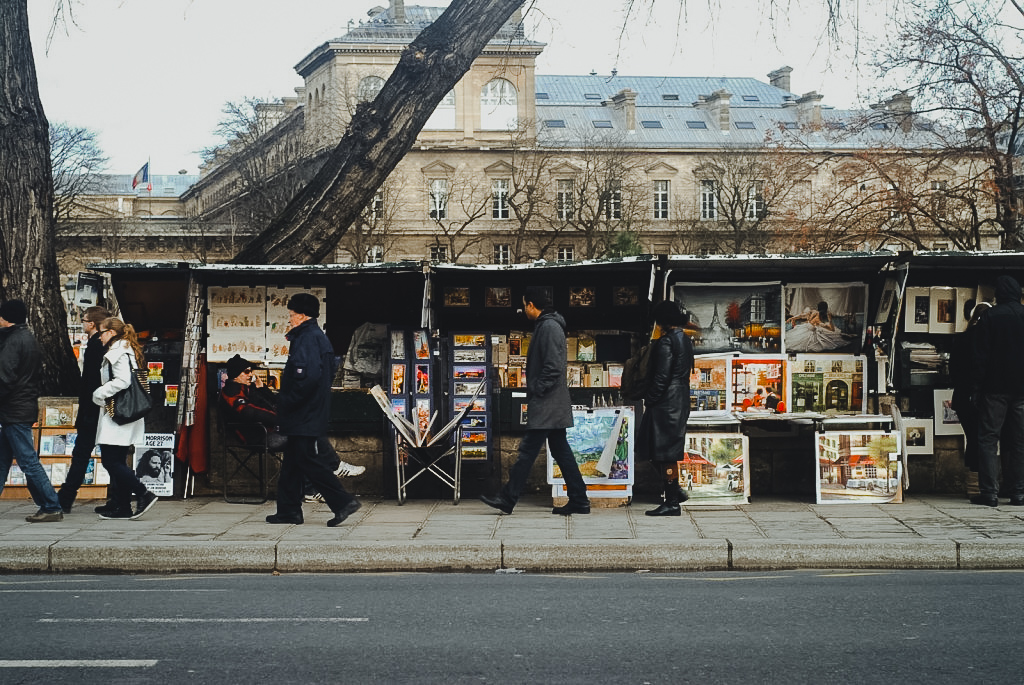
164 185
381 27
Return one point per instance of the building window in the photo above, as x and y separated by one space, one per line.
613 200
375 210
443 116
502 254
894 203
661 199
566 253
499 105
439 198
755 200
564 199
939 199
369 87
439 253
375 255
708 200
499 198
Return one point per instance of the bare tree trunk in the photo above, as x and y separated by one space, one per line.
379 135
28 261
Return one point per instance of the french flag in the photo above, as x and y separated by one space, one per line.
142 176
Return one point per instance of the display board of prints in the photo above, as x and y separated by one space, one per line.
252 322
602 441
154 463
825 317
733 317
859 467
827 384
469 363
715 468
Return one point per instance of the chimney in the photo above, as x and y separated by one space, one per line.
718 104
901 105
625 101
808 109
780 77
398 11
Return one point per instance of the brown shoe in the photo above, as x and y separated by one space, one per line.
45 517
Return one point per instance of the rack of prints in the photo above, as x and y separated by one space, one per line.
859 467
252 322
470 359
715 468
602 442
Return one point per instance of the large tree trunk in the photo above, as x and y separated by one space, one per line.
28 262
379 135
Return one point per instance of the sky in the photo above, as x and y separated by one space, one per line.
151 77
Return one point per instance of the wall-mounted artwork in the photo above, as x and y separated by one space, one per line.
917 435
827 384
886 304
917 307
758 384
715 468
498 297
709 384
858 467
825 317
946 420
743 317
456 296
582 296
602 442
625 296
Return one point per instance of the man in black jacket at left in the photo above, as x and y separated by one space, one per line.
19 409
303 409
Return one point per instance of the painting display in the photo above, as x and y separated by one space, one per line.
744 318
827 385
709 384
946 420
715 468
825 317
917 436
252 321
858 466
602 443
498 297
757 384
456 297
917 310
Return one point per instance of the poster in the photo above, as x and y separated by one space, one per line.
732 317
236 324
709 384
827 384
858 467
715 468
154 463
758 384
825 317
602 443
946 420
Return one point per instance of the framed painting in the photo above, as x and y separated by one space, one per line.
582 296
917 435
825 317
602 443
715 468
456 296
757 384
498 297
858 467
732 317
828 385
946 420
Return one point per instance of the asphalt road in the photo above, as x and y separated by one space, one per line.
792 627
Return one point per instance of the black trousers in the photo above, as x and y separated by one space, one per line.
85 442
123 480
1001 416
303 461
529 448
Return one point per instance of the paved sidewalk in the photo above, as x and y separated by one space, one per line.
205 534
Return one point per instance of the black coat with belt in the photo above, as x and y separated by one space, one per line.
662 432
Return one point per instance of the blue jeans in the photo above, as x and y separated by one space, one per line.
529 448
1000 421
16 444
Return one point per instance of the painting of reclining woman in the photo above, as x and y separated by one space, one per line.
825 317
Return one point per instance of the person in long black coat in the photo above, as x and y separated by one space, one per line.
661 438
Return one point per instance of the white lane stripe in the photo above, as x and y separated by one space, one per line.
78 663
297 619
77 592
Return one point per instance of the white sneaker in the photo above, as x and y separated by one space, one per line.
345 469
315 498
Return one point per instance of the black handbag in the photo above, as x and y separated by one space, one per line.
132 403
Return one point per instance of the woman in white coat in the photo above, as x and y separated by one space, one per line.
123 355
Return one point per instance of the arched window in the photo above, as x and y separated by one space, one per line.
498 105
443 117
369 86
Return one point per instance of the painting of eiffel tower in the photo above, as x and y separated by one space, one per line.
744 318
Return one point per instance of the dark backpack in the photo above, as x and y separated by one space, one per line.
634 374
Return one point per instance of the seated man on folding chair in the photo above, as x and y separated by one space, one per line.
247 400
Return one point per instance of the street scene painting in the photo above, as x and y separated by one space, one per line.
758 385
825 317
743 318
602 442
715 468
858 466
827 385
709 384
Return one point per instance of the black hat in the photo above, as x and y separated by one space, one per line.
14 311
237 365
304 303
1007 290
538 295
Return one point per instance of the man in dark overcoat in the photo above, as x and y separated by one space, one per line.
548 412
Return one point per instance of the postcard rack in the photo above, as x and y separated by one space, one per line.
412 461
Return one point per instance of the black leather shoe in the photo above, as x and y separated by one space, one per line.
985 500
106 508
346 511
498 502
665 510
278 518
1017 500
571 508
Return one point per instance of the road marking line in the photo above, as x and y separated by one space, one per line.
77 663
298 619
82 592
717 580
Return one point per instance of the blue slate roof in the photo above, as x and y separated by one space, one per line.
164 185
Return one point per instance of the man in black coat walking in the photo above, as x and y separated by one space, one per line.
303 409
999 394
548 413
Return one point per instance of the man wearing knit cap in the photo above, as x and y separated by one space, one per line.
19 409
999 394
548 412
